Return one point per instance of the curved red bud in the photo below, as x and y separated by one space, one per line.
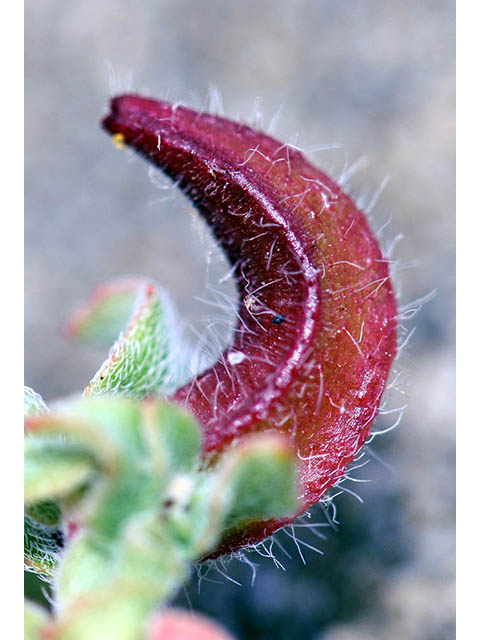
316 335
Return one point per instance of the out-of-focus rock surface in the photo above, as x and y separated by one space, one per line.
352 78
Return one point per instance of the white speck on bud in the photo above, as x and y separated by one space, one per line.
235 357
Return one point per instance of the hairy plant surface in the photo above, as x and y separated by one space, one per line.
125 490
316 332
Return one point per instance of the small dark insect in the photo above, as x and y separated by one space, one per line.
278 319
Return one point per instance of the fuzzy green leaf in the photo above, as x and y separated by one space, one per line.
43 538
33 404
42 545
47 513
85 567
42 522
174 437
54 469
106 427
261 476
118 584
255 480
105 313
145 358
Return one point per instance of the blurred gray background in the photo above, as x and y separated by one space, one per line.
366 85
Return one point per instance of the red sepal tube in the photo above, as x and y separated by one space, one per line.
316 331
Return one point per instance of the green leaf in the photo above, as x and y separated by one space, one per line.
33 404
261 476
42 522
42 545
255 480
105 313
86 566
47 513
106 427
109 424
173 435
149 557
119 584
54 469
43 538
145 358
132 491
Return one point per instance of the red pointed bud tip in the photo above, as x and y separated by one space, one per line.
180 625
316 334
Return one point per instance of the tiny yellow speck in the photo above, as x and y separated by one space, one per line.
118 140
